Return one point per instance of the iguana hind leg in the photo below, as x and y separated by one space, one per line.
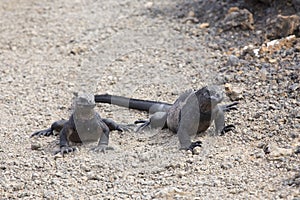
157 120
64 136
145 123
103 142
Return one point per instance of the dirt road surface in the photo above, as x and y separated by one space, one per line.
151 50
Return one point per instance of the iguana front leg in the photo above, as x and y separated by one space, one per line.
188 126
63 140
221 129
103 142
56 126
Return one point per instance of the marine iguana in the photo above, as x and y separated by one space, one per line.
84 125
192 113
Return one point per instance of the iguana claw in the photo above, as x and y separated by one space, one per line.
101 148
66 150
230 107
227 129
123 128
46 132
194 144
144 125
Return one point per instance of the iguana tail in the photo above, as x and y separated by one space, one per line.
138 104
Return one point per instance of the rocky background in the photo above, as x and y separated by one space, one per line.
151 50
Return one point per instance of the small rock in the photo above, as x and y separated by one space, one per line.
297 150
149 5
276 45
226 165
283 26
134 165
145 157
189 153
236 17
294 135
233 61
196 150
36 146
251 50
294 181
204 25
49 194
92 176
190 160
234 93
17 186
263 74
259 154
191 14
296 4
294 87
78 50
168 192
57 156
275 153
35 176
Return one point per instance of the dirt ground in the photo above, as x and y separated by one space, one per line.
151 50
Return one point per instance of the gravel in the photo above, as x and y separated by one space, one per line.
151 50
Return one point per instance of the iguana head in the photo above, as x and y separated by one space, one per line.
85 100
215 94
84 106
209 97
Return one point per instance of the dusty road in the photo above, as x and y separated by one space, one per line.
51 49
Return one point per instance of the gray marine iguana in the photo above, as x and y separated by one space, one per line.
84 125
192 113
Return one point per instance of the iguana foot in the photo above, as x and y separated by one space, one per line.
101 148
144 125
230 107
194 144
66 150
123 128
227 129
46 132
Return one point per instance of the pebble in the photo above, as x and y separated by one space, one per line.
236 17
234 93
226 165
197 150
36 146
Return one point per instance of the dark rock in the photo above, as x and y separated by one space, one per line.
236 17
283 26
297 150
294 181
296 4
